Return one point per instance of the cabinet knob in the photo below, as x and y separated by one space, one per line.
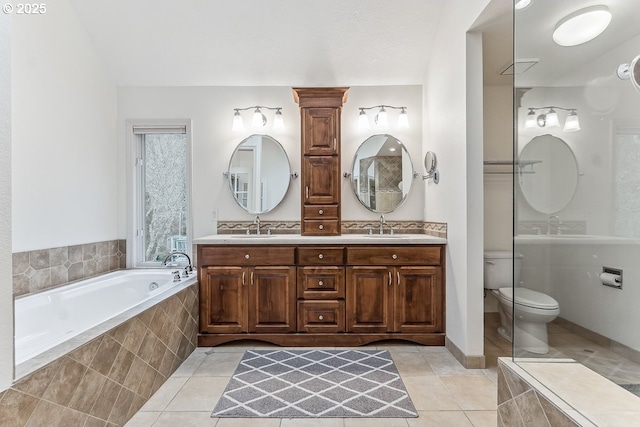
394 256
320 283
321 227
321 317
247 256
320 256
320 212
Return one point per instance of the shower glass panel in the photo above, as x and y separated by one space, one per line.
577 192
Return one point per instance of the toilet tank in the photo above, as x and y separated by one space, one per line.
498 268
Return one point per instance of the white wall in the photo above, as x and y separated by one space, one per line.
452 108
64 155
6 287
211 112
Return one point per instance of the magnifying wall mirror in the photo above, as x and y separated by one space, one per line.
631 71
548 174
381 173
259 174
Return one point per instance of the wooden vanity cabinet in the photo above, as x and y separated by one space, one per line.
320 110
255 295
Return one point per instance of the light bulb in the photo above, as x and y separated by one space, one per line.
382 120
278 121
363 120
572 124
552 119
238 124
259 120
530 121
403 119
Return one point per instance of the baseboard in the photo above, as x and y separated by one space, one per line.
469 362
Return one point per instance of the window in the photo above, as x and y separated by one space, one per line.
161 222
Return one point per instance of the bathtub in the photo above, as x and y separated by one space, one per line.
75 313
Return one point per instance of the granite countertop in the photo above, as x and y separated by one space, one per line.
295 239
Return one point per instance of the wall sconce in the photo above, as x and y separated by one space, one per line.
549 118
382 119
258 120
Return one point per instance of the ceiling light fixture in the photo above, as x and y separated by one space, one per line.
521 4
582 26
258 120
549 118
381 119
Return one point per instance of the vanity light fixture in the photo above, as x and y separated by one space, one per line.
381 119
259 120
549 118
582 26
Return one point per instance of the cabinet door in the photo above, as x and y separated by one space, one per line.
321 183
222 300
418 300
320 131
369 302
272 298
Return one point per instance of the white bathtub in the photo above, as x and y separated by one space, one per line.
47 319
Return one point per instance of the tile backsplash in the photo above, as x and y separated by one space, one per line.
38 270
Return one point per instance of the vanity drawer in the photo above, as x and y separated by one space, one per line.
321 227
320 211
394 255
320 256
252 255
321 316
321 282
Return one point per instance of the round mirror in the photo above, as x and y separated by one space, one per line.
548 173
635 72
430 162
259 174
381 173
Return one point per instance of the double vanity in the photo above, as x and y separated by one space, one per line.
344 290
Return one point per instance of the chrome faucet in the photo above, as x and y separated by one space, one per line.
257 223
556 220
188 268
382 222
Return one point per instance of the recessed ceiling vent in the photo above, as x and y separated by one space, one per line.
518 67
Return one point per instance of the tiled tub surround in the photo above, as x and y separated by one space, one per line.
436 229
561 394
35 271
105 381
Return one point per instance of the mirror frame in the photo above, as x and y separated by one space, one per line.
353 179
228 174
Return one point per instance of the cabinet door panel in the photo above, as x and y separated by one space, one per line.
222 300
321 185
369 305
320 130
418 300
272 299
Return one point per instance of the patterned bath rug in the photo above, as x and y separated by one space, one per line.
315 383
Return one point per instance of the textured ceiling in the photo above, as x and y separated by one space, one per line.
262 42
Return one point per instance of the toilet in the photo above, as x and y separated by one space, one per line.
532 309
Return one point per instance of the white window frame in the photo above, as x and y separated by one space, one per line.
135 217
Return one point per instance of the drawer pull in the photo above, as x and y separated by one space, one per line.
320 256
321 227
321 317
320 283
320 212
247 256
394 256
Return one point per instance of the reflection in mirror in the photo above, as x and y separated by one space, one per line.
381 173
548 174
259 174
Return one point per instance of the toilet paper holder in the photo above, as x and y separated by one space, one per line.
611 277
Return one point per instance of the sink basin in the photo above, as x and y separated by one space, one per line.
250 236
385 236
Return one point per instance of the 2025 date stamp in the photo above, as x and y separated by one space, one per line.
25 8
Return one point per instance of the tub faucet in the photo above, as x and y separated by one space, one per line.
382 222
172 255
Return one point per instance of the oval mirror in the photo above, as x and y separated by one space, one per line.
381 173
548 173
259 174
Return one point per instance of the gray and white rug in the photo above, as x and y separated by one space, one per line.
315 383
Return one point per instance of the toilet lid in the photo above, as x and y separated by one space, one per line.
529 298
